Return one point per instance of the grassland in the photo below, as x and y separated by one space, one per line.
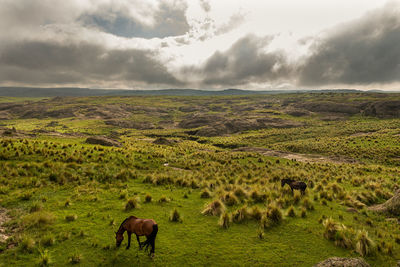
65 198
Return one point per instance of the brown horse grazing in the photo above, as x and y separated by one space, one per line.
294 184
140 227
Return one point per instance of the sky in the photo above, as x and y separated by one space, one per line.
201 44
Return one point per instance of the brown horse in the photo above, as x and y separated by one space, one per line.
140 227
295 185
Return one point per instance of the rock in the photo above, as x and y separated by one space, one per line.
391 206
342 262
104 141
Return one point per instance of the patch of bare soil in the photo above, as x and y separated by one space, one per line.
3 219
294 156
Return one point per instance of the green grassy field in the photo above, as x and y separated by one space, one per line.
63 199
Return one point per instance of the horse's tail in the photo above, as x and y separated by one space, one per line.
152 238
154 233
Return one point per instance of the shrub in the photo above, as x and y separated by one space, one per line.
175 216
71 217
215 208
364 244
225 220
131 204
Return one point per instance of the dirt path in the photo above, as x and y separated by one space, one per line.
295 156
3 219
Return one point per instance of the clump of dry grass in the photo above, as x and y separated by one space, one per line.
256 213
205 193
364 244
225 220
274 214
230 199
241 214
331 227
291 212
175 216
132 203
215 208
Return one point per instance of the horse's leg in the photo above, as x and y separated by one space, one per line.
129 240
153 245
147 243
138 240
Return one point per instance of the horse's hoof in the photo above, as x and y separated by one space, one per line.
152 255
127 247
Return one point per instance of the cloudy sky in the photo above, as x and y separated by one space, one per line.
205 44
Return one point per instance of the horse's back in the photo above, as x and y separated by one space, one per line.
142 226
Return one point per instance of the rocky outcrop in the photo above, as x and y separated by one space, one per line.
343 262
104 141
391 206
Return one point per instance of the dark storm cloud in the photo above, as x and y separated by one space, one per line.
38 62
244 62
169 20
364 51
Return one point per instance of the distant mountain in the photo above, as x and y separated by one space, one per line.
68 91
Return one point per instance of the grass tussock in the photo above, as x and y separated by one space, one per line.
175 216
364 244
274 214
225 220
241 214
39 219
215 208
205 193
132 203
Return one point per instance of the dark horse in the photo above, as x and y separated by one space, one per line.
140 227
294 185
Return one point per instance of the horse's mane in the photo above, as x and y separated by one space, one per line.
130 217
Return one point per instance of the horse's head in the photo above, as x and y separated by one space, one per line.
283 182
119 237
